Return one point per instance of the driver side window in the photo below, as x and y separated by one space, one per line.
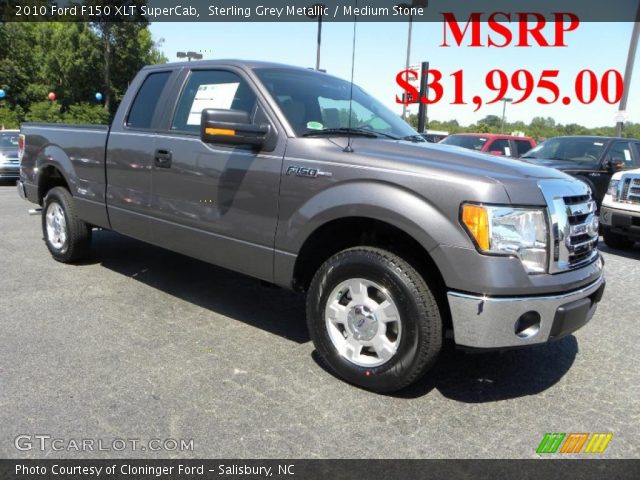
211 89
621 152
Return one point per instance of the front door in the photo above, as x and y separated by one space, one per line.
218 203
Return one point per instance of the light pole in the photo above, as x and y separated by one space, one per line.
319 9
504 111
628 71
414 3
189 55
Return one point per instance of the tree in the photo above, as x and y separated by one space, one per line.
86 113
10 117
70 59
44 111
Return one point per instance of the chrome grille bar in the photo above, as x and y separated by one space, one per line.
573 224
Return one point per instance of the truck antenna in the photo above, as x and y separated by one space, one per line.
349 148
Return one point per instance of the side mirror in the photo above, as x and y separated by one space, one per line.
615 165
496 152
231 127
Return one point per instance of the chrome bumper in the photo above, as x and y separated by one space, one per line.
497 322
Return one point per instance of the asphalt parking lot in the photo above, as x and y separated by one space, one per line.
140 343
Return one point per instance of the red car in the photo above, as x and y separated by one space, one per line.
495 144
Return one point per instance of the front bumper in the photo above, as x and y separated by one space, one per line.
9 171
622 222
505 322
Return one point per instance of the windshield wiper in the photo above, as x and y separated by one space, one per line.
414 138
343 131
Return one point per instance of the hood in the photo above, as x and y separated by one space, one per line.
551 163
520 179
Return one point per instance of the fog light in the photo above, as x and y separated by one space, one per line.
528 324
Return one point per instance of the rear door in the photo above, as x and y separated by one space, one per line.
216 202
131 154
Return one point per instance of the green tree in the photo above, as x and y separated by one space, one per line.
10 117
44 111
86 113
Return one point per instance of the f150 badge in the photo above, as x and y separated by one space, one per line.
306 172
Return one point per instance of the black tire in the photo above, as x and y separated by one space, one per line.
78 233
617 241
421 322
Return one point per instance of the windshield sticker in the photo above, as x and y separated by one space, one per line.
314 126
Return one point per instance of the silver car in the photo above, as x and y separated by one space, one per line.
9 162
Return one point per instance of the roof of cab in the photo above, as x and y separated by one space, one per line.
247 64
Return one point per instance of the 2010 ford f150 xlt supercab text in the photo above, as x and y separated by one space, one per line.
296 178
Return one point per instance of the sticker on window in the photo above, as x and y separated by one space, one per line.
314 126
219 95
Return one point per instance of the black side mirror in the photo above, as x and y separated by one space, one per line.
231 127
615 165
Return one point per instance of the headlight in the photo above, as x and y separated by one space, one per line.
613 189
521 232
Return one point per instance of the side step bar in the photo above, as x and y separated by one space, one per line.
35 211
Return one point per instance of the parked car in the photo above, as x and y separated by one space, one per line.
591 159
9 163
620 211
434 136
398 244
504 145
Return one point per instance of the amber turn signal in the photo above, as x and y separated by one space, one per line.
476 219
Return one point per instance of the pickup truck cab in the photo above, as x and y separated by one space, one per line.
300 179
620 212
492 143
589 158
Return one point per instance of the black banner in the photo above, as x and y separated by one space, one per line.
310 10
320 469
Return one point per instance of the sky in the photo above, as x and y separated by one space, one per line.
381 54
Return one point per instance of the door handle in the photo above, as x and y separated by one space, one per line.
162 158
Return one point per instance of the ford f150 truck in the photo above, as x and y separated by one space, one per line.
620 212
297 178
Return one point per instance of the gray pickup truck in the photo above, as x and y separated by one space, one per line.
297 178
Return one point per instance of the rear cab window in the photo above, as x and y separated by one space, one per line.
144 105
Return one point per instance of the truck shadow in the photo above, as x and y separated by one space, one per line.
631 253
460 376
224 292
493 376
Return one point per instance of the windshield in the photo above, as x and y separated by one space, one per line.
313 102
8 140
582 150
470 142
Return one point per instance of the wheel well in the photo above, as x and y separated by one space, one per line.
49 177
341 234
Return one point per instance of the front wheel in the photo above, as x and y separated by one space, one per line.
67 237
373 319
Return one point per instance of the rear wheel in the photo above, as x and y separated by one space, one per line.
67 237
615 240
373 319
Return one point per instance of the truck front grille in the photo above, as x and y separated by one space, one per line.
573 224
630 191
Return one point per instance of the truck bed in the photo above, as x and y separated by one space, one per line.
78 153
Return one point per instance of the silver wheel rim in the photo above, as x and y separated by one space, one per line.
363 322
56 226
